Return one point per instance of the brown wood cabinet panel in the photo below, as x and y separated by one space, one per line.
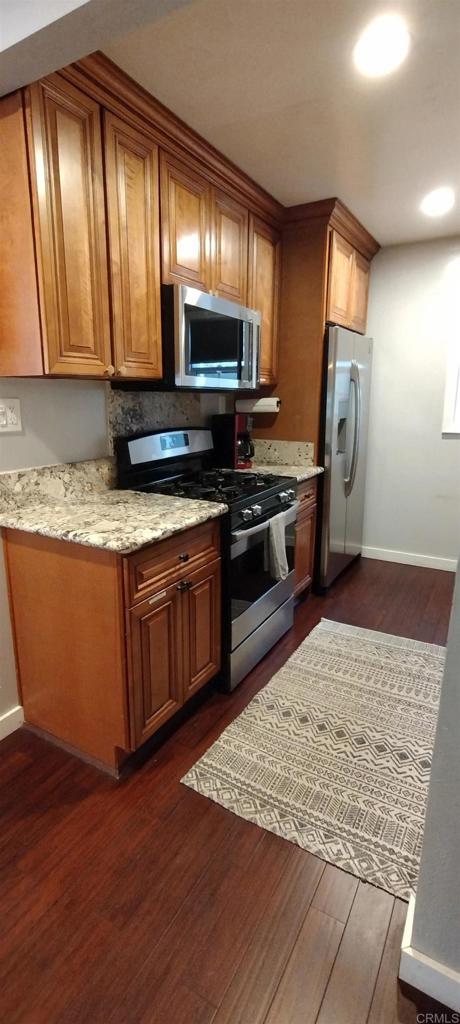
306 494
68 194
160 564
202 634
304 549
20 332
230 248
340 280
264 281
156 662
359 293
67 611
185 216
133 205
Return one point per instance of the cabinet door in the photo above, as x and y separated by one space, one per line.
68 195
304 550
359 292
340 281
20 329
133 207
156 662
230 248
185 215
203 627
264 282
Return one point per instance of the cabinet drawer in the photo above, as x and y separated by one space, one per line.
161 564
306 494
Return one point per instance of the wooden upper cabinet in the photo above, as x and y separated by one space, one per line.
340 280
20 331
185 214
263 291
68 197
133 205
229 248
359 293
349 273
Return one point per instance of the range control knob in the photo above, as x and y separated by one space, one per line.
291 493
284 497
257 510
246 514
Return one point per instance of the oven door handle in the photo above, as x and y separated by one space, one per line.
240 534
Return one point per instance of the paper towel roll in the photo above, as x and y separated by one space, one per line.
254 405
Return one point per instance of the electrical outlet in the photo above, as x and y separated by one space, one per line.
10 416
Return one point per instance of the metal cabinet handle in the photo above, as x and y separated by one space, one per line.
157 597
184 557
183 585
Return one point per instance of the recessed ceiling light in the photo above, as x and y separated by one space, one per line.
383 46
438 202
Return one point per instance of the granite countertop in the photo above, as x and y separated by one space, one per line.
120 521
301 473
76 502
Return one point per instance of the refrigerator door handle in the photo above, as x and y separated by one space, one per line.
356 383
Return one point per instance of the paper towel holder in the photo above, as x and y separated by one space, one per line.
258 405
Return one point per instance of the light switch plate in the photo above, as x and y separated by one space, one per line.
10 416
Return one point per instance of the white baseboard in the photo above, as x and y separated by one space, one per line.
411 558
423 973
11 721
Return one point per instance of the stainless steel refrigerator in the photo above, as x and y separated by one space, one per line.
345 417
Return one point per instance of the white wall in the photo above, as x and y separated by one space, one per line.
39 36
63 421
436 929
18 20
413 482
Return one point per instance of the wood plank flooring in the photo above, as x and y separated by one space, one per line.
140 902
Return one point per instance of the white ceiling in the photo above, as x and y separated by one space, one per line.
271 83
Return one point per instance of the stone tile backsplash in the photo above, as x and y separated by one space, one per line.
132 412
286 453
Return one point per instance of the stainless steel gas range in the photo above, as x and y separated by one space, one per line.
258 543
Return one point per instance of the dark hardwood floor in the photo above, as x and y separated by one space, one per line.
140 902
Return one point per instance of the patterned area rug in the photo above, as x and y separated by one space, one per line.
334 754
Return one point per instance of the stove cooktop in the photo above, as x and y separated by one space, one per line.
224 485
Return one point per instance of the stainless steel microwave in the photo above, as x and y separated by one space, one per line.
216 343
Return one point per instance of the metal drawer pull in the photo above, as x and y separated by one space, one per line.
184 557
184 585
157 597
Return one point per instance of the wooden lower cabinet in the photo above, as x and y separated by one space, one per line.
305 537
156 662
108 647
174 648
201 624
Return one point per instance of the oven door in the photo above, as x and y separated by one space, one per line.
217 342
256 591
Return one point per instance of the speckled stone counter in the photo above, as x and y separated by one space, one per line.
74 503
301 473
285 458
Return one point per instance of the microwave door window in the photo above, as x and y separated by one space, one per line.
214 344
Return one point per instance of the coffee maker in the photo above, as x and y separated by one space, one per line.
233 444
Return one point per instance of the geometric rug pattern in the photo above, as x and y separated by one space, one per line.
334 754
